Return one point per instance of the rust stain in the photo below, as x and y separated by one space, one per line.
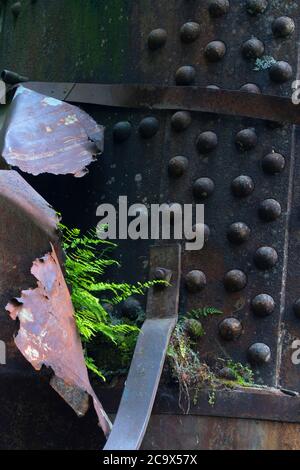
45 135
48 336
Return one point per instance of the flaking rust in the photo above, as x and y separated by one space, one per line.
45 135
48 336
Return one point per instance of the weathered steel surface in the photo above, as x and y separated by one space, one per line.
147 363
48 335
44 135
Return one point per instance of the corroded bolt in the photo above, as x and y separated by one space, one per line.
178 166
235 280
215 51
255 7
162 274
238 233
250 88
206 142
148 127
253 48
265 257
246 139
269 210
185 75
122 131
203 188
259 354
195 281
280 72
189 32
263 305
181 120
218 8
273 163
283 27
242 186
157 38
230 329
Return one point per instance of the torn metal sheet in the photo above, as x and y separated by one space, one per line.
48 336
45 135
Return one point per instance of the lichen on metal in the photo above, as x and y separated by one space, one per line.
44 135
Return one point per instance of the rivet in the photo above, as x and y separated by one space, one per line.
296 308
238 233
269 210
246 139
213 87
227 373
197 229
255 7
185 75
162 274
193 328
16 8
206 142
203 188
235 280
148 127
253 48
273 163
265 258
181 120
218 8
157 38
189 32
283 27
280 72
215 51
230 329
178 166
259 354
195 281
263 305
250 88
131 308
122 131
242 186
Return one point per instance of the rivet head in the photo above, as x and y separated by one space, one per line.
148 127
162 274
122 131
283 27
253 48
195 281
255 7
238 233
227 373
189 32
296 308
181 120
213 87
263 305
269 210
250 88
206 142
218 8
242 186
265 258
185 75
273 163
16 8
230 329
131 308
215 51
198 228
280 72
157 39
203 188
178 166
235 280
259 354
246 139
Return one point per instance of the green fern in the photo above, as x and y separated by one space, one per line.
203 312
87 258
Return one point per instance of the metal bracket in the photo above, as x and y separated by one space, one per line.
146 367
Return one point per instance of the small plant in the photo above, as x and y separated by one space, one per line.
203 312
243 375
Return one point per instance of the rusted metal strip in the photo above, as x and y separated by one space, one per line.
143 379
233 103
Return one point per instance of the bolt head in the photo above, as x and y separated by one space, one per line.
263 305
206 142
246 139
189 32
273 163
253 49
230 329
235 280
148 127
195 281
269 210
238 233
203 188
265 258
215 51
122 131
181 120
157 39
280 72
242 186
250 88
283 27
218 8
178 166
255 7
259 354
185 75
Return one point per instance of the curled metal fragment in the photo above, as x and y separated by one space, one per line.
45 135
48 336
